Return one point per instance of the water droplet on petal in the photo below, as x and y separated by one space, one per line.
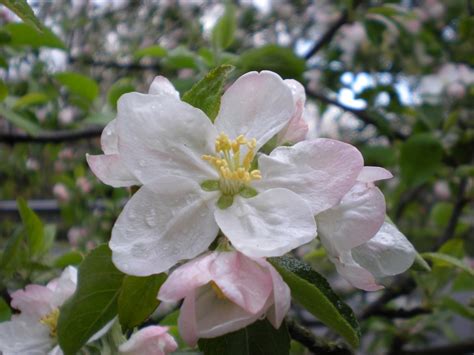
142 163
150 218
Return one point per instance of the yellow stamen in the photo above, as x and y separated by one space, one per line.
51 320
220 295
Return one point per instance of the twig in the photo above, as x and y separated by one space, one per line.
453 349
453 220
313 343
361 114
51 136
331 32
400 313
111 64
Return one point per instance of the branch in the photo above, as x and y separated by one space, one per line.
400 313
51 136
453 220
331 32
313 343
361 114
466 347
111 64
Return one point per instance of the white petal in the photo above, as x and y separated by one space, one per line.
111 171
270 224
373 173
163 223
356 275
297 90
24 335
354 221
257 105
56 351
388 253
162 86
64 286
162 136
109 139
321 171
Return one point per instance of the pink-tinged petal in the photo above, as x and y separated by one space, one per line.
186 278
373 173
270 224
215 316
257 105
320 170
63 287
152 340
355 274
34 301
110 170
388 253
188 328
161 136
162 86
297 129
164 222
109 139
242 280
354 221
281 297
24 335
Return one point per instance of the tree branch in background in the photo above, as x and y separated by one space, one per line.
459 348
115 65
361 114
313 343
51 136
331 32
400 313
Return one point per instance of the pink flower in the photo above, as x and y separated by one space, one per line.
152 340
224 292
297 128
83 184
363 247
61 192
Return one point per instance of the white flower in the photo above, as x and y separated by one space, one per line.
33 331
151 340
359 242
198 177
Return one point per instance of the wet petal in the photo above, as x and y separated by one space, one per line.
110 170
162 86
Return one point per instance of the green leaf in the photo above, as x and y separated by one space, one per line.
3 90
33 226
117 89
137 299
70 258
457 307
448 260
181 58
23 11
31 99
5 311
23 34
420 158
206 93
259 338
19 121
12 248
420 264
313 292
93 304
272 57
79 84
224 30
152 51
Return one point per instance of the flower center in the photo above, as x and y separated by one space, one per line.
51 320
234 170
220 295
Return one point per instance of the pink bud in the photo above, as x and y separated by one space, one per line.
152 340
61 192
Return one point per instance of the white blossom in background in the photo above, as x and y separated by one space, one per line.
198 177
224 292
363 247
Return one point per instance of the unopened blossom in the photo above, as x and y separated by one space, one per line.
83 184
34 330
151 340
297 128
61 192
199 177
363 247
224 292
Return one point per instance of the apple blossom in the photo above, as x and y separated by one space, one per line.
197 180
61 192
151 340
34 329
359 242
225 291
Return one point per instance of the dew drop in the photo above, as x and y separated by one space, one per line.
150 218
142 163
